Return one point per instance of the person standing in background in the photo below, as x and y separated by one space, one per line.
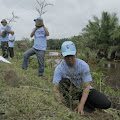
40 33
11 44
5 30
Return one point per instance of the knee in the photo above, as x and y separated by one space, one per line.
108 105
25 56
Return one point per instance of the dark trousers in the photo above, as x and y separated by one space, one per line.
11 52
4 46
95 98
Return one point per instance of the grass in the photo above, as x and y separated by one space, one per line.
33 99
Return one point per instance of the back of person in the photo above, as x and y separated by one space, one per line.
11 43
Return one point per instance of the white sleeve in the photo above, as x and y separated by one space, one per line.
57 76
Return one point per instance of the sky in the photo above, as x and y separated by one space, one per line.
64 19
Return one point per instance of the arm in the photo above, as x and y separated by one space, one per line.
10 32
56 92
11 40
47 33
80 108
33 32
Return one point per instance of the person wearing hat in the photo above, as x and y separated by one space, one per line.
5 30
40 33
72 80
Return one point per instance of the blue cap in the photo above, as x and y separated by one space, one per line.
39 18
68 48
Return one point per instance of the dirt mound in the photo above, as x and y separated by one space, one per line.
11 79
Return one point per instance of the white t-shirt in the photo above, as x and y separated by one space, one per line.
11 43
40 42
78 74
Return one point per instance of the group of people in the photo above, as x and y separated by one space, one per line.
72 75
6 41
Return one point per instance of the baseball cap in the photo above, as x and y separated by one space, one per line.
39 18
68 48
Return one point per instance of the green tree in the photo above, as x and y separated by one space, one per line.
102 33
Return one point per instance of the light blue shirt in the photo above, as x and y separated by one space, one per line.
6 38
11 43
78 74
40 42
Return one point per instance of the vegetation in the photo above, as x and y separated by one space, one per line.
24 95
101 36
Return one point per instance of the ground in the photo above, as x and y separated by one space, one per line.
26 96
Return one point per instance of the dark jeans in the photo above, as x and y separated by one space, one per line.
40 57
95 98
11 52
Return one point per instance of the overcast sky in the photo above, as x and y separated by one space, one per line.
65 18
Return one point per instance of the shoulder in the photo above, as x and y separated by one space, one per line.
60 66
8 27
82 63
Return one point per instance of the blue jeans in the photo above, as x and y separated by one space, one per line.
40 57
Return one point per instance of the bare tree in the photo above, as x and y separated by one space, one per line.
42 5
12 19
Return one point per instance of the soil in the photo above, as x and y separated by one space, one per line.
12 79
99 115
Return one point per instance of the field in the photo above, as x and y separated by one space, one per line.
25 96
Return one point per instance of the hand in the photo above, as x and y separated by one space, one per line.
80 110
42 23
37 28
5 30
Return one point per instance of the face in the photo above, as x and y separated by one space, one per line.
38 23
70 60
4 23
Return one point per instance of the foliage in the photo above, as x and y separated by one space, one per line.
103 33
34 98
